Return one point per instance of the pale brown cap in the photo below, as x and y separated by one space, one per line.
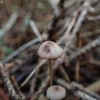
50 50
56 93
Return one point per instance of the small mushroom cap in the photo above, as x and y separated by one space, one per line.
56 93
50 50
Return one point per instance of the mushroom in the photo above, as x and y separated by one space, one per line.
56 92
50 50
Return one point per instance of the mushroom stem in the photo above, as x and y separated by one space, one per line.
51 72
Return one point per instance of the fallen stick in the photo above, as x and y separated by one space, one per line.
10 23
95 87
9 84
18 51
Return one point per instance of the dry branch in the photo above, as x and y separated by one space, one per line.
18 51
9 85
85 49
10 23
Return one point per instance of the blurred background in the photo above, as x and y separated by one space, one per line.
73 24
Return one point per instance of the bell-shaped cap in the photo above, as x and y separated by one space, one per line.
56 92
50 50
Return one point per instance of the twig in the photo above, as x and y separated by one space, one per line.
42 88
67 22
79 91
86 48
88 95
63 83
93 18
77 68
22 96
86 34
22 48
94 86
81 16
35 30
37 67
68 29
10 23
65 74
8 83
32 87
94 62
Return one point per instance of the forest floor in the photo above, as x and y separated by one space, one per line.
73 24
